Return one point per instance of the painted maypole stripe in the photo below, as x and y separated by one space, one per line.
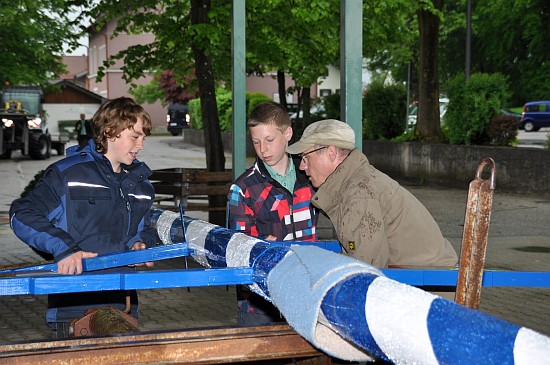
196 233
350 310
238 250
406 313
531 348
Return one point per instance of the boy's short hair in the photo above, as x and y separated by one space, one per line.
116 115
269 112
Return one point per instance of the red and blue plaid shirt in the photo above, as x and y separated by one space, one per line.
259 206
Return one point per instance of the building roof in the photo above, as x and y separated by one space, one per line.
72 93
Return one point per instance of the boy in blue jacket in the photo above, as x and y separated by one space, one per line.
94 201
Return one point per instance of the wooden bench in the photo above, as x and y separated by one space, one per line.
191 188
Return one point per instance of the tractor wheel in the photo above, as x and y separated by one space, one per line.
40 146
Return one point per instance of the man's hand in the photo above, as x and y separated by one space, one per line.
270 238
141 246
72 264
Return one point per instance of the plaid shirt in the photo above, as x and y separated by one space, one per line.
259 206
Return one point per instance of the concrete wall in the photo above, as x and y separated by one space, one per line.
518 170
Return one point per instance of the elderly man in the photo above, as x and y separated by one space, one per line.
376 220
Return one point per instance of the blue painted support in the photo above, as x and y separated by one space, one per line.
48 282
111 260
159 279
491 278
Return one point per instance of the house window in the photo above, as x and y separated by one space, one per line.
102 55
91 61
325 92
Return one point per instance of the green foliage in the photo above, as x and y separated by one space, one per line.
195 113
149 93
383 111
225 108
508 37
253 99
472 104
503 130
32 39
331 104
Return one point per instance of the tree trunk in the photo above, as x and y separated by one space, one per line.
213 145
281 84
428 123
306 99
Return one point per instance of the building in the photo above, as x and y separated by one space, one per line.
83 71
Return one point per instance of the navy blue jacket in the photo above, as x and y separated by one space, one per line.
81 205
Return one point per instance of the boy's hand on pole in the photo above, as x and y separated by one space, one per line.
141 246
72 264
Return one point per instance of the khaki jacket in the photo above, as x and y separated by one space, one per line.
378 221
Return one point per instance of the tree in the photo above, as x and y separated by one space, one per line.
428 86
508 37
296 38
32 40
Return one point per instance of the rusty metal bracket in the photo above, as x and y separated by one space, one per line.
474 238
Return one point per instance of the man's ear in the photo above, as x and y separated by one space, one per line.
332 153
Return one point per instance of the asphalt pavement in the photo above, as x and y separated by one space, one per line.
519 240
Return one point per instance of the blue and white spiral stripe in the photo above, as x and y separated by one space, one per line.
350 310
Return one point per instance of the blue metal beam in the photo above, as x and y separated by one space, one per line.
163 279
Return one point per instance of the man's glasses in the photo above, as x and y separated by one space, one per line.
303 155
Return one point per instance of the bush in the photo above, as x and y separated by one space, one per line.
503 130
472 104
253 99
195 113
384 111
225 108
331 104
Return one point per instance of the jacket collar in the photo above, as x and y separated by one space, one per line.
328 194
301 177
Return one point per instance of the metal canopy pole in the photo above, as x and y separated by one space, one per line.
238 65
351 58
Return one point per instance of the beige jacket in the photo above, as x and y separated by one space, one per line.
378 221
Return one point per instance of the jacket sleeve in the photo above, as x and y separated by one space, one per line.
39 219
240 217
362 230
146 233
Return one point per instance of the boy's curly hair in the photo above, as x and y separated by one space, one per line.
116 115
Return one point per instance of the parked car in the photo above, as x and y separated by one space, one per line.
292 108
536 115
177 118
413 111
510 113
316 110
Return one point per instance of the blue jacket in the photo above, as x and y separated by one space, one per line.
80 204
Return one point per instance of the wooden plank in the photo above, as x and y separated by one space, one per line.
183 184
182 190
191 175
204 346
